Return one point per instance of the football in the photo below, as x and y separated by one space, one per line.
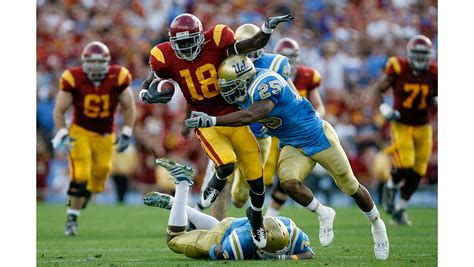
166 87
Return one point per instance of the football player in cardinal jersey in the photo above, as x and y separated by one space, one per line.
191 58
94 90
229 238
414 80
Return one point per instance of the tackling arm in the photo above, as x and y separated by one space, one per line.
255 112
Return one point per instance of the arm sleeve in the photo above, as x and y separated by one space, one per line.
223 36
228 248
158 62
67 82
393 67
124 79
316 81
302 243
284 68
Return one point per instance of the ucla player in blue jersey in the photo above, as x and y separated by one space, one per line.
229 239
305 139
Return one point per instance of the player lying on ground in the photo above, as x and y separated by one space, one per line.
305 139
229 239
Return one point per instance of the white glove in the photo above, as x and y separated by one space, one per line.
200 120
388 112
62 140
435 99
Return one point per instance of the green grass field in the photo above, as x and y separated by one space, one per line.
135 236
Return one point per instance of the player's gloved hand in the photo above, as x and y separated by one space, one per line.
62 140
124 139
152 95
200 120
271 23
388 112
272 256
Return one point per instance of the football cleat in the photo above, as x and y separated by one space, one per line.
400 217
326 233
212 191
388 199
71 226
259 235
381 244
159 200
178 172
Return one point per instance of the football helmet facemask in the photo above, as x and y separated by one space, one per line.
277 236
95 60
289 48
246 31
186 36
235 74
419 52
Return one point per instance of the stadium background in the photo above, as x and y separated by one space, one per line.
347 41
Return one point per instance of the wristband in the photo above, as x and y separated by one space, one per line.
127 130
265 29
142 92
62 132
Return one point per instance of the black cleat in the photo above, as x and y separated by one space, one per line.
259 235
388 199
400 217
212 191
71 225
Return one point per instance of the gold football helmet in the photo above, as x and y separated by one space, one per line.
235 74
277 235
246 31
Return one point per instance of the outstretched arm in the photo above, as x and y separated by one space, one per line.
255 112
260 39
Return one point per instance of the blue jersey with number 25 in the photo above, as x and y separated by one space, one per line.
293 120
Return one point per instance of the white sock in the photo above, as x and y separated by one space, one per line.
403 204
73 212
390 184
316 206
178 215
271 212
201 220
372 215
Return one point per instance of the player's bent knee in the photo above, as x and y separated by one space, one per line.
77 189
290 186
225 170
347 183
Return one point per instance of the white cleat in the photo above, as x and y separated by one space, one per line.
381 244
326 233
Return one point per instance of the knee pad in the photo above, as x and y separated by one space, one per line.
257 186
399 174
78 190
225 170
411 184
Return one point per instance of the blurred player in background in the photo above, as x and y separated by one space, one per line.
191 58
228 239
305 139
414 80
94 90
306 80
